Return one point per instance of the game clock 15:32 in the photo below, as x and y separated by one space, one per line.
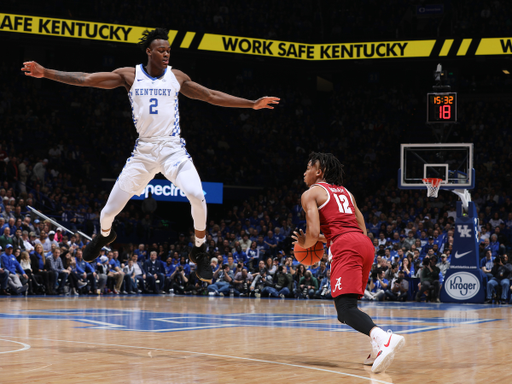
442 107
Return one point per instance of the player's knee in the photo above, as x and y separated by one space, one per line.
196 198
344 304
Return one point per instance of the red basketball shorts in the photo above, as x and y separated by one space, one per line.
352 259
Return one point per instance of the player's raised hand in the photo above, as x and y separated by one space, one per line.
33 69
266 102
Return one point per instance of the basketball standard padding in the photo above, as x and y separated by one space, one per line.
310 255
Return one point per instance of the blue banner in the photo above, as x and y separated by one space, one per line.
164 190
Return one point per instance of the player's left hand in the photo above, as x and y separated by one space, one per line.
299 237
266 102
33 69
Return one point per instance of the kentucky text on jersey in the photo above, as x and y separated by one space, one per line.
154 103
155 92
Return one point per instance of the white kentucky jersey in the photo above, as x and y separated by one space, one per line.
154 102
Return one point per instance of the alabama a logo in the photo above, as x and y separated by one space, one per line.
338 285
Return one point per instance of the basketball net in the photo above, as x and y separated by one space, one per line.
433 186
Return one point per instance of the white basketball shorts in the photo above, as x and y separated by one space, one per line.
149 157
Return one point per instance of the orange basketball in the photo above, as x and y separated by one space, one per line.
310 255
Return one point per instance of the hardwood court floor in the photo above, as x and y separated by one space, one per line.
163 339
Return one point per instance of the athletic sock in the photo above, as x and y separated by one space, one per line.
199 241
105 233
379 336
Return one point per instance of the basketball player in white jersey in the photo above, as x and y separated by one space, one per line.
153 92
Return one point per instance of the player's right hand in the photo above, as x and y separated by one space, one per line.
33 69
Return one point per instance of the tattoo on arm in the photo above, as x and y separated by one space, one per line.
72 78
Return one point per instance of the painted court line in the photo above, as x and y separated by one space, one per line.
25 346
373 380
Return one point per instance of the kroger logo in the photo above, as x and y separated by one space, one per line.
462 285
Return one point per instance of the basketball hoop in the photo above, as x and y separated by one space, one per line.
433 186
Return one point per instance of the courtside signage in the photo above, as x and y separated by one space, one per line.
462 286
73 28
164 190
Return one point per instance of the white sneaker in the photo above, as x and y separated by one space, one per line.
75 292
81 283
211 293
373 354
387 352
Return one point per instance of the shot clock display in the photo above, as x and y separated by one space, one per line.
442 107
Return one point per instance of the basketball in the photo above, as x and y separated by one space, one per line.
310 255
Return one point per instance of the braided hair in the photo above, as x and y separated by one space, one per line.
148 37
330 166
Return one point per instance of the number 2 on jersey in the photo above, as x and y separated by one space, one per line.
342 203
154 104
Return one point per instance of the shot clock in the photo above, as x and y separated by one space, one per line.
442 107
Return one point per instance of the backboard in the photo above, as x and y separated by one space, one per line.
453 163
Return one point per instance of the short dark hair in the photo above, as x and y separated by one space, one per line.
148 37
330 166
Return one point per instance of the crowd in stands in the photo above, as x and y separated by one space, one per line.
251 253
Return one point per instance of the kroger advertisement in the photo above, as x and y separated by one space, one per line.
164 190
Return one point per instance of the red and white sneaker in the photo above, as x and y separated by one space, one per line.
373 354
387 352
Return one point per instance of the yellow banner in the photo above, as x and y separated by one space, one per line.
345 51
495 46
73 28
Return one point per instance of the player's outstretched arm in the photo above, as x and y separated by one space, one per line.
105 80
193 90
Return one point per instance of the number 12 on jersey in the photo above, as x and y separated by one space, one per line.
342 203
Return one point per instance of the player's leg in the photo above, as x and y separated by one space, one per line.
187 179
189 182
115 204
352 261
138 171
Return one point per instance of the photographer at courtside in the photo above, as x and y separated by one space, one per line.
398 288
429 276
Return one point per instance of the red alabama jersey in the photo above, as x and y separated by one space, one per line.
337 214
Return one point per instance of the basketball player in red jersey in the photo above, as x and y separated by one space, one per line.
332 210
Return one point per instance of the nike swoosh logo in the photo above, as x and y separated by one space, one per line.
140 79
457 255
389 341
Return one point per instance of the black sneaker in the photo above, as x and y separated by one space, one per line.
195 251
202 260
92 250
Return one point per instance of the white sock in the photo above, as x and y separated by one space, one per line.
105 233
379 336
199 241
